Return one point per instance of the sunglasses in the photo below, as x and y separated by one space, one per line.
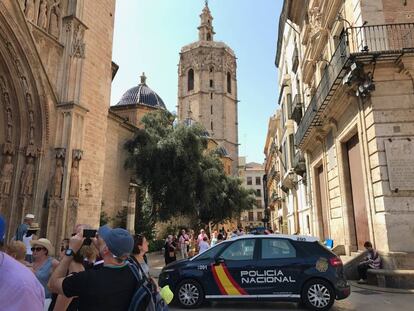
37 249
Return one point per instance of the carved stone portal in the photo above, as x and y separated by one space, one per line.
27 178
6 176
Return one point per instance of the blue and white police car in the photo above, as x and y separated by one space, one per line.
260 267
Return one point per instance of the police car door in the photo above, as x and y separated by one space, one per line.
237 257
278 268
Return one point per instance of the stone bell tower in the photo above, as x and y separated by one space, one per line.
207 86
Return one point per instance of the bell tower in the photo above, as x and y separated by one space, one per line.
207 86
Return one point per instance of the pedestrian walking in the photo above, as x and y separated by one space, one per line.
22 228
43 264
214 238
203 246
184 243
138 256
30 235
60 302
169 250
371 261
17 250
19 288
110 287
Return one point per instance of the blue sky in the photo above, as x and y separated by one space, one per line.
150 33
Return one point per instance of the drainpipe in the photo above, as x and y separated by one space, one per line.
365 154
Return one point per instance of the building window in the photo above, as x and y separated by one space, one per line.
190 82
259 216
308 223
249 181
211 108
211 83
211 125
211 69
258 181
208 37
259 203
211 95
228 82
258 192
251 216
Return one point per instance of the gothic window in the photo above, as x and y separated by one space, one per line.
211 108
208 37
211 125
211 69
211 83
190 82
211 95
228 82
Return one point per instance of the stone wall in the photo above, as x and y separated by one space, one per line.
116 179
97 74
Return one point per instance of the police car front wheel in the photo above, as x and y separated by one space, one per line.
318 295
189 294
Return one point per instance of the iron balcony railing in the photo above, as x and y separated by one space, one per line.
359 44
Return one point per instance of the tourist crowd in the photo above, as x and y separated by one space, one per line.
89 273
100 269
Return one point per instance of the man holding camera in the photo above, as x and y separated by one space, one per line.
108 288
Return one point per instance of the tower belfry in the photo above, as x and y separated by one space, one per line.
207 87
206 30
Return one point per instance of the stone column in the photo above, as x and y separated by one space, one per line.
131 207
74 185
6 179
55 200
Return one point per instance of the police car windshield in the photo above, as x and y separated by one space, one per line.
211 252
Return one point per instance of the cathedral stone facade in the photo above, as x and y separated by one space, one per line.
207 87
62 154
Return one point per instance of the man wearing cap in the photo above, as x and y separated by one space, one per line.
19 288
108 288
22 229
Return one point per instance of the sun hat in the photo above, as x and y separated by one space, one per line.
2 228
118 240
34 227
44 243
29 216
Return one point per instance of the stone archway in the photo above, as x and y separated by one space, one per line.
24 116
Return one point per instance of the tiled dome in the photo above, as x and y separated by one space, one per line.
142 95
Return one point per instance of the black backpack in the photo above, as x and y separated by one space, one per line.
145 297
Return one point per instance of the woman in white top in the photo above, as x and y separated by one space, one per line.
29 236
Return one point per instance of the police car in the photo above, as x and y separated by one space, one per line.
260 267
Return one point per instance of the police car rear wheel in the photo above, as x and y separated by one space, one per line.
318 295
190 294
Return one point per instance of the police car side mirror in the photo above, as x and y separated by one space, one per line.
219 260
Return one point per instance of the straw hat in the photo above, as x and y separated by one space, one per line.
34 226
44 243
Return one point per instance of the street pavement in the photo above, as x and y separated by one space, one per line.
363 298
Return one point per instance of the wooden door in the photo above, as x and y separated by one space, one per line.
322 203
357 191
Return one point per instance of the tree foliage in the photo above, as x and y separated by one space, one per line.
180 176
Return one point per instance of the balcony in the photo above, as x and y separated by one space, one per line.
380 43
299 164
297 105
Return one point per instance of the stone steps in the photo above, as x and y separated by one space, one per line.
398 278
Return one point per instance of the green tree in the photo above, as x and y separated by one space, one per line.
180 176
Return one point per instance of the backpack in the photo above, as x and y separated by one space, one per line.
145 297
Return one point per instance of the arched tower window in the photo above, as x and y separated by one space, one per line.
228 82
190 81
208 37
